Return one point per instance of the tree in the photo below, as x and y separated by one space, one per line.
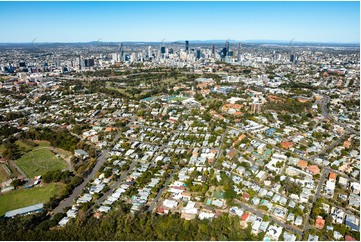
230 194
11 150
17 183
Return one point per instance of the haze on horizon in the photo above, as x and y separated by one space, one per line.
337 22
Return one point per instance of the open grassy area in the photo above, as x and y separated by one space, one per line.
23 146
3 174
178 99
42 143
39 161
2 149
23 197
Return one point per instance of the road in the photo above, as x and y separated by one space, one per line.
325 113
156 199
76 192
220 146
247 207
330 146
306 224
115 185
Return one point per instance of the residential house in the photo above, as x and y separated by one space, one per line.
290 217
81 154
312 237
287 144
332 177
320 222
302 164
352 222
289 237
274 232
313 169
298 221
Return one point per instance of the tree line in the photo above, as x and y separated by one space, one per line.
122 225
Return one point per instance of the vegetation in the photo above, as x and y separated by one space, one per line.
57 175
121 225
292 187
17 183
3 174
23 197
290 106
58 138
11 149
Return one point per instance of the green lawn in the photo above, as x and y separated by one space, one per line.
178 99
23 197
42 143
39 161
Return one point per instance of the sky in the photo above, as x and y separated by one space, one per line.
154 21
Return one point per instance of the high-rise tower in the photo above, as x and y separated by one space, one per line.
121 52
239 52
227 46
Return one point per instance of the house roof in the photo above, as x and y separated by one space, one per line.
314 169
24 210
349 238
245 195
287 144
320 223
245 216
302 163
332 176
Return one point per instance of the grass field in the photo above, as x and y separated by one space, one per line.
25 197
178 99
39 161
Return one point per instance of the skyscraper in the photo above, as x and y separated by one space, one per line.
187 45
150 54
162 50
121 52
227 46
213 50
239 52
79 59
198 52
292 58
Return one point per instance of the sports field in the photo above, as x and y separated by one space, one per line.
23 197
178 99
39 161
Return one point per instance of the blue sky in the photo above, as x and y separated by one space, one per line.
153 21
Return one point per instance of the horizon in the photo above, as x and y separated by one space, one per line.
314 22
248 41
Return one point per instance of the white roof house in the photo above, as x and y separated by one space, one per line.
205 215
64 221
104 209
170 203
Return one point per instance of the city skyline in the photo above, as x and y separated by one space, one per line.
336 22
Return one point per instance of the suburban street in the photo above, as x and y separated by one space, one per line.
258 213
76 192
156 199
115 185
